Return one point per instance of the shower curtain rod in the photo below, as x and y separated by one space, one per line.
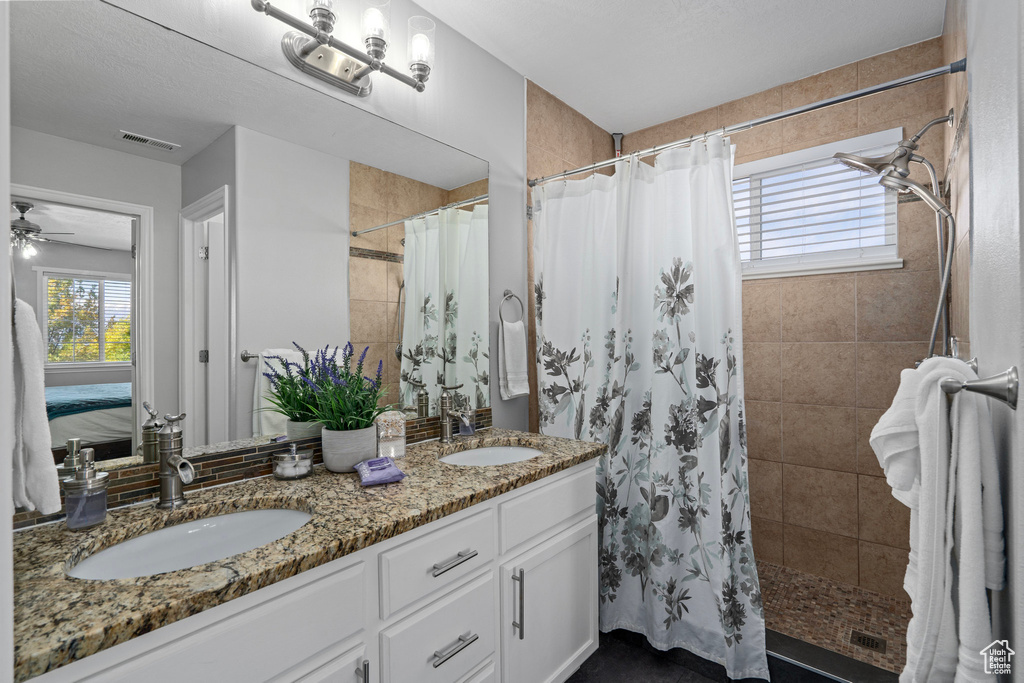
955 67
466 202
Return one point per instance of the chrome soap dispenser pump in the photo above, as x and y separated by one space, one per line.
85 494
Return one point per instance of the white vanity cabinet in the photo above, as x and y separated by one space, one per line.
432 605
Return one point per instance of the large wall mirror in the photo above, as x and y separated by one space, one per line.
178 205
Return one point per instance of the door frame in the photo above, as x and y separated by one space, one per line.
144 315
219 307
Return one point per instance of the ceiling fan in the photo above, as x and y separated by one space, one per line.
24 232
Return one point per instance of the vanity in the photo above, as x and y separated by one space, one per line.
458 573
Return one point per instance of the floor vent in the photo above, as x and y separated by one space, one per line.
868 642
148 141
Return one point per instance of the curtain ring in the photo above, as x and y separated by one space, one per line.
705 137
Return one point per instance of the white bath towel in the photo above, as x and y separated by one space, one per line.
513 380
953 557
34 481
265 420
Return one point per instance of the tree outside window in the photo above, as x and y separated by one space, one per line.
88 319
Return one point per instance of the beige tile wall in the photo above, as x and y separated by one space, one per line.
822 354
377 197
558 138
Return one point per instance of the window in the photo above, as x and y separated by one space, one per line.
802 213
87 318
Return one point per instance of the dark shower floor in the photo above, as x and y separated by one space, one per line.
809 620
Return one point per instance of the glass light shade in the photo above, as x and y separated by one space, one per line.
421 41
319 4
28 250
376 22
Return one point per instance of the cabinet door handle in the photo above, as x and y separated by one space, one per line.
364 671
453 562
464 641
521 624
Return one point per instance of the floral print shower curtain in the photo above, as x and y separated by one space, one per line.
637 282
445 329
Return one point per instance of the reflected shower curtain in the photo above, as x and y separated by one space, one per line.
444 333
639 347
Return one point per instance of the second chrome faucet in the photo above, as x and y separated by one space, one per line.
175 470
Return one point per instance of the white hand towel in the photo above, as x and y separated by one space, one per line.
513 380
265 420
895 441
34 481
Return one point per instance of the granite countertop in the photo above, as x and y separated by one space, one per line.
59 619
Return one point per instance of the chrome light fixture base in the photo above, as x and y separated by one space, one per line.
328 65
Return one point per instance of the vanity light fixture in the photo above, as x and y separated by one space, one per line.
312 49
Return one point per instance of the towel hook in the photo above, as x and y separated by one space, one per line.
1003 386
246 356
509 294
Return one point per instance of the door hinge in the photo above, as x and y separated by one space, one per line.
204 356
134 252
204 253
529 212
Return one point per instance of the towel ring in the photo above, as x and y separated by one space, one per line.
509 294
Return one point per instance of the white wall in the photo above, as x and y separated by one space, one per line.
6 359
291 244
472 102
995 52
54 163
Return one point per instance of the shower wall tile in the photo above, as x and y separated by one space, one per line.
820 553
361 217
818 310
904 61
867 462
878 370
882 568
367 279
761 309
819 373
819 436
921 98
767 538
882 519
766 492
882 310
761 371
764 430
368 320
918 243
813 128
819 499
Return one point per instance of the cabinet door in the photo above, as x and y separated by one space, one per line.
351 667
549 607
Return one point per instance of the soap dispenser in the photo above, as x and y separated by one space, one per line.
72 461
150 435
85 494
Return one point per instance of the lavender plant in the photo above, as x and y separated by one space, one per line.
342 397
290 393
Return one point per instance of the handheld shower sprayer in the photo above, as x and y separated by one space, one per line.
893 170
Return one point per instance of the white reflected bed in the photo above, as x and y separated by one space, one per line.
95 426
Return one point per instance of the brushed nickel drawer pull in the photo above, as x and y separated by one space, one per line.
364 671
464 641
521 624
452 563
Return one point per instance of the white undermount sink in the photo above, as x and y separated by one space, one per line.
190 544
491 455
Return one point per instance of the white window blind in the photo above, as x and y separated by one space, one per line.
802 212
88 318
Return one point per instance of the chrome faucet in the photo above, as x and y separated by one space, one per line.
174 469
445 405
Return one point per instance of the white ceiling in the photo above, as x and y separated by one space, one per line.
90 227
111 70
629 64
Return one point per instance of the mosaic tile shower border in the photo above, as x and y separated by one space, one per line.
139 483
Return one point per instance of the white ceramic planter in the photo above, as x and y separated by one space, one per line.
344 450
302 430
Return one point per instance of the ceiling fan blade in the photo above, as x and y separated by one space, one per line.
88 246
58 233
36 238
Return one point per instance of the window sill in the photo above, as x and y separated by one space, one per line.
86 367
820 268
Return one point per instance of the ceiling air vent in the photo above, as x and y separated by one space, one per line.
148 141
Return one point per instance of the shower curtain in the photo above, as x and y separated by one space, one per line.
443 337
637 281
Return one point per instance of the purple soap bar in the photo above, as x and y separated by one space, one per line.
379 471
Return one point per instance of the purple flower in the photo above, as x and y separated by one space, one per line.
380 369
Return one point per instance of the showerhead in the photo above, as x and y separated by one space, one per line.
891 181
898 160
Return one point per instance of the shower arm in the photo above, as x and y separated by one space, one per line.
939 234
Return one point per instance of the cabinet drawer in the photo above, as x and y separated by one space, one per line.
544 508
487 674
444 641
434 561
